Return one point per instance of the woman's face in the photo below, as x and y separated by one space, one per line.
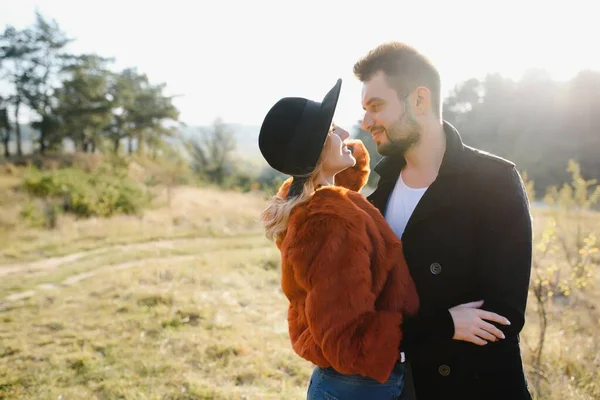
337 156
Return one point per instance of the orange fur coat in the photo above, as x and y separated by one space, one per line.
344 274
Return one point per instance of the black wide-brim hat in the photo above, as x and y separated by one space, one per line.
294 131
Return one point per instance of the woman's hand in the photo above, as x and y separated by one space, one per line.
356 177
470 324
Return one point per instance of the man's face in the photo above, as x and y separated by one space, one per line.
387 118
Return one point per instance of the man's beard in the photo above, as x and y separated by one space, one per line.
401 136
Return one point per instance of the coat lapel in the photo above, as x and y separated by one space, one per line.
389 170
435 199
439 195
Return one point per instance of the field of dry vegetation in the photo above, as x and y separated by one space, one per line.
183 302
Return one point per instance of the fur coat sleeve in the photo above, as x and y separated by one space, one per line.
353 178
340 308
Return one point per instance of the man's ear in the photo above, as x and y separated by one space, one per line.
422 102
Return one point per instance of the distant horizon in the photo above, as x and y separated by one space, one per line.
24 119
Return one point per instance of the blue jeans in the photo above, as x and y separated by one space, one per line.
328 384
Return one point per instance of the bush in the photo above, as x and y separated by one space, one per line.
33 215
564 275
267 181
239 181
270 180
103 192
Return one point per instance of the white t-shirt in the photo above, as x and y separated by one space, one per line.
401 205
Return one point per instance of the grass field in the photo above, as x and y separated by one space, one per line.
184 302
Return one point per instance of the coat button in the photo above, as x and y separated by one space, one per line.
444 370
435 268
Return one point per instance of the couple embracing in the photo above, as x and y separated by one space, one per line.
417 291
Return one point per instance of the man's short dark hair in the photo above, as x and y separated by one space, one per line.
405 70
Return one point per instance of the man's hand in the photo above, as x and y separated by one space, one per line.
469 324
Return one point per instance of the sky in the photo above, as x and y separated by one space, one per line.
235 59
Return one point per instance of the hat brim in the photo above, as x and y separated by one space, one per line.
326 112
310 134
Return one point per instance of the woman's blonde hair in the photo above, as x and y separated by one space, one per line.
275 216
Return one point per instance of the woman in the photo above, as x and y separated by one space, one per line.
343 270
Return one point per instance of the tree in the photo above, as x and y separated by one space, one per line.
4 128
582 123
123 87
211 152
84 104
139 111
47 62
535 122
150 109
4 123
16 49
77 96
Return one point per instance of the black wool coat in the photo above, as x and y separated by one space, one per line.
468 239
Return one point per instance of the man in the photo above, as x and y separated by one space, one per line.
465 224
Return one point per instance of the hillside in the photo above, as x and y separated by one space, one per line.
184 302
246 138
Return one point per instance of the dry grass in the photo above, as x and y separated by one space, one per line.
191 213
571 357
210 327
149 308
570 366
184 302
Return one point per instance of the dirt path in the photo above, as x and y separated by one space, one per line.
57 262
74 279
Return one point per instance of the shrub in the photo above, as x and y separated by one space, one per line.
239 181
32 215
565 263
103 192
270 180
